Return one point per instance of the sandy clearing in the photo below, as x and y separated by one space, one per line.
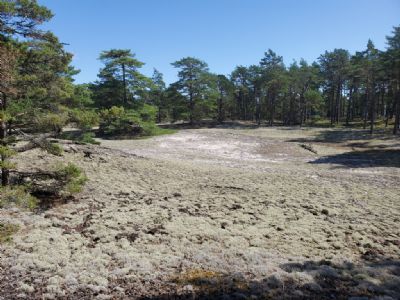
237 202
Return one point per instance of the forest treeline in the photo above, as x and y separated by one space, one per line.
37 86
38 94
339 87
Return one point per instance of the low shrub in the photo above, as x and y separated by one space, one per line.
80 137
116 121
18 196
139 122
6 232
71 177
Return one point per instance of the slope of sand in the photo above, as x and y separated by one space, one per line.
220 212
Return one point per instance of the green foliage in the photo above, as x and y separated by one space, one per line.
140 122
18 196
115 121
88 138
80 137
22 16
53 148
84 119
148 113
6 232
81 97
72 177
7 165
193 81
120 81
6 152
51 122
314 99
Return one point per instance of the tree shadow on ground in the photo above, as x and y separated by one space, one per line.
363 159
346 135
372 278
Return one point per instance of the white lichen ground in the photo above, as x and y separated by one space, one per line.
230 201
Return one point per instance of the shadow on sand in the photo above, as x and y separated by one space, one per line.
363 159
373 278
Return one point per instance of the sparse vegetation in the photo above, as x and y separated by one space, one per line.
6 232
17 196
71 177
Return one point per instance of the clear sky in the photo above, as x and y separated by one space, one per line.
224 33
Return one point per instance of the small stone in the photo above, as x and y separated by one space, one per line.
314 287
325 212
188 288
27 288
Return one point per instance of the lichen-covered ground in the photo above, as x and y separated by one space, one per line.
221 213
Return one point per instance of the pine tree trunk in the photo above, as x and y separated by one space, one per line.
301 108
124 83
331 106
159 114
372 114
397 111
291 109
365 110
5 173
220 117
272 115
337 103
191 108
349 106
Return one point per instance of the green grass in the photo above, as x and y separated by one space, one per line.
6 232
146 134
161 131
18 196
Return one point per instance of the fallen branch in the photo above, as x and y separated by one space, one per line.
308 147
39 141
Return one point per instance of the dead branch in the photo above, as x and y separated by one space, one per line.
308 147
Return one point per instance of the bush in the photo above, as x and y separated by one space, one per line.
148 113
84 119
140 122
53 148
88 138
80 137
5 153
51 122
71 177
115 121
18 196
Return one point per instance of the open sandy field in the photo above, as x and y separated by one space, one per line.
216 213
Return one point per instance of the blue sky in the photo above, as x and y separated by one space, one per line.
224 33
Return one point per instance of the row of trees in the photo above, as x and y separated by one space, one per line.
339 87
